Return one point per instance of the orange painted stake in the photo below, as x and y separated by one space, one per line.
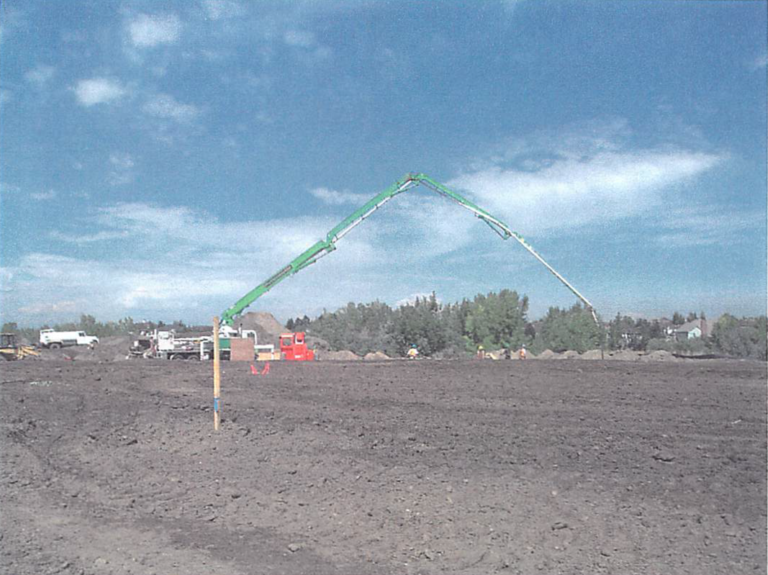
216 375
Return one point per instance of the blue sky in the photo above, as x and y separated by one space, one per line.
160 159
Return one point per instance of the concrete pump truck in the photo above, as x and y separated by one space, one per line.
293 345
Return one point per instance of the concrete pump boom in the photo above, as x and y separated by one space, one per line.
326 246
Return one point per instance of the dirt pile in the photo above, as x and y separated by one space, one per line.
623 355
570 354
267 328
659 355
343 355
375 356
546 354
592 354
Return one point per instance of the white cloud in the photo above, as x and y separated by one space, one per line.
87 238
43 196
760 62
98 91
220 9
148 31
121 161
335 198
7 189
411 299
692 226
40 75
166 106
590 176
66 306
309 49
121 172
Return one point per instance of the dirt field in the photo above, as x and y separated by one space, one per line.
384 467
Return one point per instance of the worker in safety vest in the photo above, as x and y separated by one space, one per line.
413 352
523 353
480 352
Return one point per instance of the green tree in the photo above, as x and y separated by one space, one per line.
572 329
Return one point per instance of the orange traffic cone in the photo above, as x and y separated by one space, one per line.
266 369
254 371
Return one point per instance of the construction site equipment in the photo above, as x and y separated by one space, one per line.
293 347
326 246
166 344
11 350
53 339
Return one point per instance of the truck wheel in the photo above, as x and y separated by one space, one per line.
194 357
176 356
54 345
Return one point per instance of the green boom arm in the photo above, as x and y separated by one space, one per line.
326 246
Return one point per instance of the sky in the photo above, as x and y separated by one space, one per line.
159 159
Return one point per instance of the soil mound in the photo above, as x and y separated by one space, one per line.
592 354
547 354
375 356
625 355
343 355
267 328
570 354
659 355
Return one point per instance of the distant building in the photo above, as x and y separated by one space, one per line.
691 330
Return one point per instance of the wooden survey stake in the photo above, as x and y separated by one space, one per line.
216 375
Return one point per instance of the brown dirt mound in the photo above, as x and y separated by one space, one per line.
268 329
659 355
343 355
624 355
547 354
375 356
592 354
570 354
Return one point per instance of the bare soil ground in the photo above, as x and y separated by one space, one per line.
384 467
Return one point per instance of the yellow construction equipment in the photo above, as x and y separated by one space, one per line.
11 350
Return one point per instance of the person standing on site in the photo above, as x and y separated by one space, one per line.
413 353
523 352
480 352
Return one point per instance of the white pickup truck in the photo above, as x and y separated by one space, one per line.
55 339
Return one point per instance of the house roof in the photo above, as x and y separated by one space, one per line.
690 326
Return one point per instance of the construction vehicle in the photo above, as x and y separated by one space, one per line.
326 246
165 344
11 350
53 339
293 347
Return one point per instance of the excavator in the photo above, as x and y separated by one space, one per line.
326 246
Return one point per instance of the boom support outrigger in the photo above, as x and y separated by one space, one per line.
326 246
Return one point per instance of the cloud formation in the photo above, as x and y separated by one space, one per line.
166 106
149 31
584 178
43 196
40 75
336 198
98 91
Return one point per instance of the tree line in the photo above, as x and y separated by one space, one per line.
500 321
494 320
